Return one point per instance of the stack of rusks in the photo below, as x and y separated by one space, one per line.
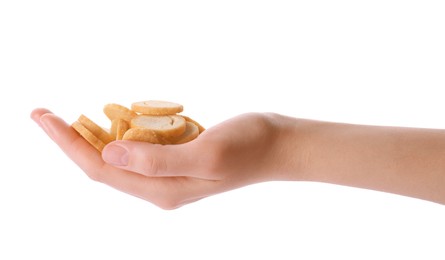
153 121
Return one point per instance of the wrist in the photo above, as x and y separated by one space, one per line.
291 147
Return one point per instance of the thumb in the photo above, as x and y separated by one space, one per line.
150 159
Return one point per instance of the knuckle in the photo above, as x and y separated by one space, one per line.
154 166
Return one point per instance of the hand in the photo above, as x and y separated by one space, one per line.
241 151
257 147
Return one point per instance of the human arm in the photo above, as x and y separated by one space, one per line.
258 147
400 160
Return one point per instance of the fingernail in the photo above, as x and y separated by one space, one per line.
115 155
37 113
45 126
36 118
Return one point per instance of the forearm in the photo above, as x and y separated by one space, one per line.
406 161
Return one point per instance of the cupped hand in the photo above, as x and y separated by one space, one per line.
240 151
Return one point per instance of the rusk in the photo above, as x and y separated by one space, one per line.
116 111
95 129
156 107
88 136
167 126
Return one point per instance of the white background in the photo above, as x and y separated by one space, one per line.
368 62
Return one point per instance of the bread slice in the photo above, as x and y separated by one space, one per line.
200 127
143 135
88 136
156 107
113 128
95 129
191 132
120 127
116 111
166 126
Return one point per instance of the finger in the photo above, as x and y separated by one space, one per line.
37 113
153 159
77 148
167 193
86 156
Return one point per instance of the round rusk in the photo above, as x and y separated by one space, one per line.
116 111
113 129
191 132
166 126
200 127
156 107
143 135
88 136
95 129
122 127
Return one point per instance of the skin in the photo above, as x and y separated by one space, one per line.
259 147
